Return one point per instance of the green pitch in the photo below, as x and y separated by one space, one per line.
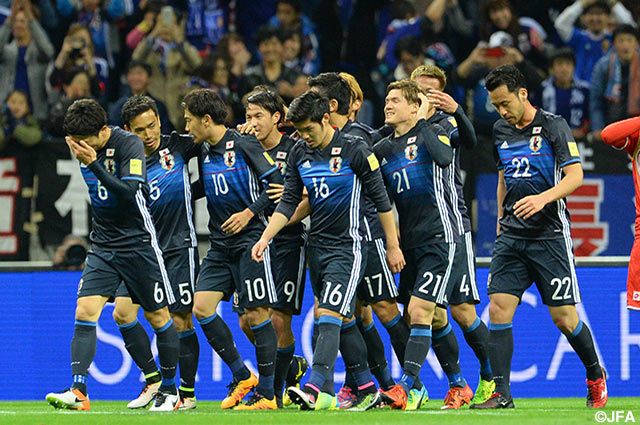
528 411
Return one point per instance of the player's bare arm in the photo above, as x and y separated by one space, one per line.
278 222
501 191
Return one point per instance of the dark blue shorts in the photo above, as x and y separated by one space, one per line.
427 273
230 270
463 274
335 273
182 268
142 270
517 263
289 265
378 283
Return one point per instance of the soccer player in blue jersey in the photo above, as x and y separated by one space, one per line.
377 289
124 248
335 169
171 209
539 165
413 162
234 171
264 114
450 116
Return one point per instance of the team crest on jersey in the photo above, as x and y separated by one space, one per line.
411 140
605 45
111 152
230 158
110 165
167 162
335 164
282 166
411 152
535 143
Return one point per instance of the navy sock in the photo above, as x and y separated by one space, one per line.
375 356
83 351
415 354
582 343
189 356
314 336
168 345
354 353
477 337
501 352
324 356
136 341
220 338
284 357
399 334
266 347
445 345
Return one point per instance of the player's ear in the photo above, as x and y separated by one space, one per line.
523 93
275 118
333 105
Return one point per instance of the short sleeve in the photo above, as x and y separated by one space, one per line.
564 145
131 158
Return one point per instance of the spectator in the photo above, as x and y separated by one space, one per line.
615 85
99 20
289 16
564 94
23 60
410 54
214 73
139 76
527 34
145 25
232 48
292 53
453 22
18 125
271 71
172 59
71 254
594 41
78 53
405 23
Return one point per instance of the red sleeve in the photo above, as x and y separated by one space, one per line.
623 134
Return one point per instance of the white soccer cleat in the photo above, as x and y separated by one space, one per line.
146 396
166 402
188 403
69 399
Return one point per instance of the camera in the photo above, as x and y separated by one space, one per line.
77 45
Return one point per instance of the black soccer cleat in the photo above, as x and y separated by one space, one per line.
497 401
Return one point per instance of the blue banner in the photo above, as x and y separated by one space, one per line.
37 320
602 215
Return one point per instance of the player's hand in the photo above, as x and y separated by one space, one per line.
81 150
275 192
237 222
258 250
395 259
246 128
442 101
425 105
529 205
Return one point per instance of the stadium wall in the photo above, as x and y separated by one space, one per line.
37 316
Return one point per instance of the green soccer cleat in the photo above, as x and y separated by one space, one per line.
366 401
417 398
327 401
484 391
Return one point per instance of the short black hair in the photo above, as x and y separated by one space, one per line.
70 74
201 102
295 4
310 105
401 8
267 32
409 44
508 75
625 29
85 117
140 64
565 53
268 99
135 106
332 86
601 4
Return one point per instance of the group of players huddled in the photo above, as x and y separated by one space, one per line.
260 184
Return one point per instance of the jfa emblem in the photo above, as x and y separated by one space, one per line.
411 152
535 143
282 166
110 165
167 162
335 164
230 158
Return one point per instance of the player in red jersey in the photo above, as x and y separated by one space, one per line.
625 135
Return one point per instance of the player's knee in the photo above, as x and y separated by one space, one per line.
123 316
243 323
86 312
182 322
464 315
421 312
158 318
256 316
202 311
366 315
281 322
386 311
566 324
440 318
